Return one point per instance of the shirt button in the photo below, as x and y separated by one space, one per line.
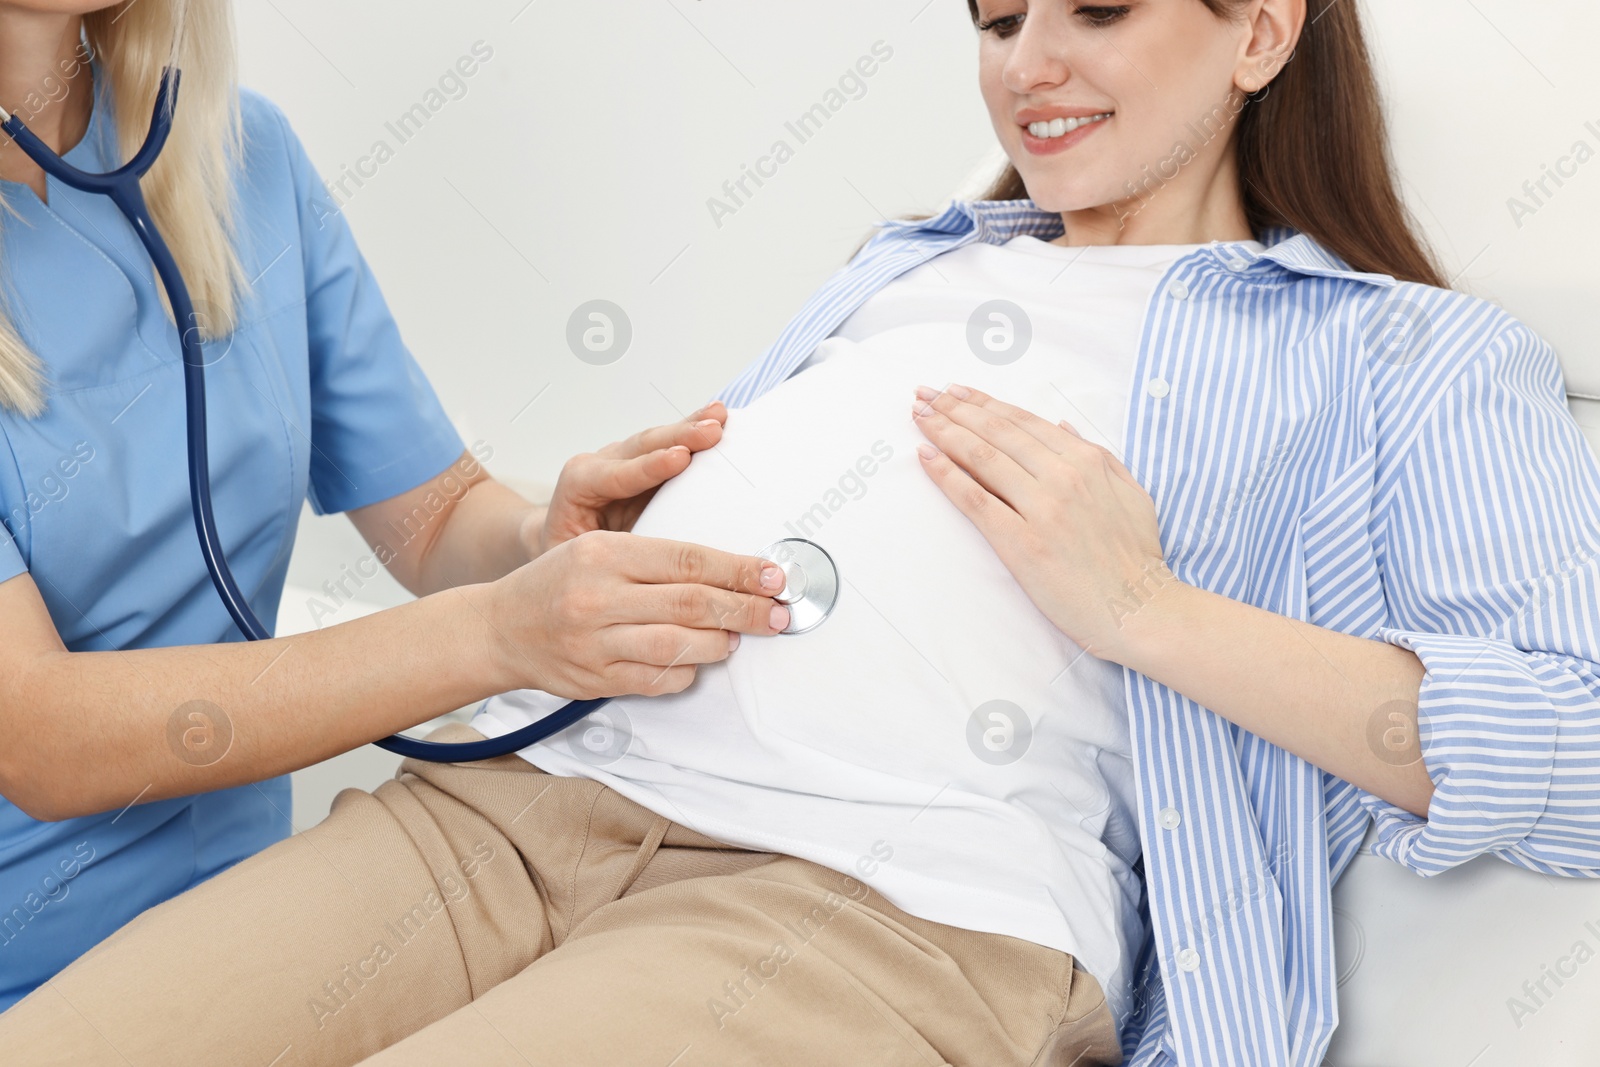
1177 289
1169 818
1157 387
1188 960
1235 262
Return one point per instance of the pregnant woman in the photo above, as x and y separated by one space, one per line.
1236 530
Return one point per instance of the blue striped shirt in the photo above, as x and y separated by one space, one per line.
1376 457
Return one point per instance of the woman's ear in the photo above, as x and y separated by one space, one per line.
1275 27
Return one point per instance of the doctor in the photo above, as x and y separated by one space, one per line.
146 746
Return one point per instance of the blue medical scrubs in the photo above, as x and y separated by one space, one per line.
314 396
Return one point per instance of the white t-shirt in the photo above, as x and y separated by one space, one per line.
936 737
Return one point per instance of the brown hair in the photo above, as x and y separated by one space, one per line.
1313 151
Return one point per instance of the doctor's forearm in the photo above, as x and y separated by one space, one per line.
460 528
482 539
477 536
96 731
1346 704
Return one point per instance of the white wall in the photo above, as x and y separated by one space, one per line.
578 166
1485 96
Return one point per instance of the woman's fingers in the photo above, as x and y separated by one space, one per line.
698 431
1032 441
983 447
996 520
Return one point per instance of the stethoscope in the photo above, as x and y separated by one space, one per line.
812 585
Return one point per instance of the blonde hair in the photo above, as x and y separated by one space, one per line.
190 189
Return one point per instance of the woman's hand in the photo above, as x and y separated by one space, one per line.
607 614
606 490
1064 515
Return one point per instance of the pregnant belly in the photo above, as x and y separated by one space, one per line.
934 665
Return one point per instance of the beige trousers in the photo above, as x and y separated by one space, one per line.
491 914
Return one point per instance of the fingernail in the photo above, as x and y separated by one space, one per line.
703 423
926 393
780 616
927 451
771 577
960 392
733 641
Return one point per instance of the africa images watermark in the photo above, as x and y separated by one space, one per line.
1252 487
740 991
1154 576
1197 134
340 990
52 888
1258 880
1536 992
449 86
852 85
54 87
199 732
1537 192
52 488
851 485
453 485
999 732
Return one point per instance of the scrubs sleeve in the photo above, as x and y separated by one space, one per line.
377 427
1493 580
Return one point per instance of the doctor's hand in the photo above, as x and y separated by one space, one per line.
610 614
1064 515
606 490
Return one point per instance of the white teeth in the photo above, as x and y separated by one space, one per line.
1060 127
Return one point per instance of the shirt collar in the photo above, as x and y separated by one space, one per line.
997 221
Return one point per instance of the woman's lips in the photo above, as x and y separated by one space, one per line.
1049 146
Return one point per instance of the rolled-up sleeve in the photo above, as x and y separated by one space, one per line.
1491 562
377 427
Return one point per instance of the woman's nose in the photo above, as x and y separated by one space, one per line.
1038 59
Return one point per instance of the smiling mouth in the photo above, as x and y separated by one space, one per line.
1047 131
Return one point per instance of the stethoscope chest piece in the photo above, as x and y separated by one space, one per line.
811 586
